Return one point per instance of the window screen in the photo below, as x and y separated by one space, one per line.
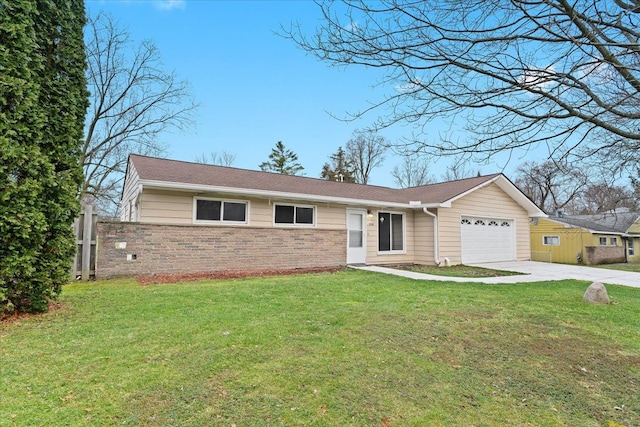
284 214
235 211
208 210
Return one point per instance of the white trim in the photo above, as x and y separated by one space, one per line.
436 232
294 224
220 221
552 236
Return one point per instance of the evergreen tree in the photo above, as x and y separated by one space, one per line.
282 160
340 169
43 101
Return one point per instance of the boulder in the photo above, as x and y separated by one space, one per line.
596 293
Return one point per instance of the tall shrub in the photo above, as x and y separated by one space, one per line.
43 101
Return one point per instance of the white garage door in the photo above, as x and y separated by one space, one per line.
487 239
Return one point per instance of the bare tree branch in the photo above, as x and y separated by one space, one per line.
552 185
412 172
521 73
365 152
133 100
221 159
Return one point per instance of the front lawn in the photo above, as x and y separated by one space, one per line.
351 348
458 270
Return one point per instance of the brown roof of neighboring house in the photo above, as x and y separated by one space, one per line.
175 171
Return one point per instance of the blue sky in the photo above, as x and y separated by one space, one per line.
254 87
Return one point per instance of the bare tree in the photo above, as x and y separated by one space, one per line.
604 197
459 169
221 159
412 172
365 151
551 185
481 60
133 100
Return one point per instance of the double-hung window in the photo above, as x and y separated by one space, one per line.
390 232
630 247
294 215
225 211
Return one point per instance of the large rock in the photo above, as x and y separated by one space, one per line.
596 293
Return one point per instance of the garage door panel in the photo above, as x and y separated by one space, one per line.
487 239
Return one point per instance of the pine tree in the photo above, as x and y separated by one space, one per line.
340 169
282 160
43 101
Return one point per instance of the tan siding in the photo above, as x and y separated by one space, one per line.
423 238
166 207
260 213
490 202
173 207
129 193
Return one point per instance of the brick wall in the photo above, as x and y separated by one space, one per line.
595 255
153 248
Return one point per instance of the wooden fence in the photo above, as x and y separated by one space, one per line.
84 263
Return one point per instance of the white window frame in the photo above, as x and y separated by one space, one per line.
557 239
295 224
613 241
631 250
220 221
404 233
601 240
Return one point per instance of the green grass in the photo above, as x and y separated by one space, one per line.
351 348
625 266
457 270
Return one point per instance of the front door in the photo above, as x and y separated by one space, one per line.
356 236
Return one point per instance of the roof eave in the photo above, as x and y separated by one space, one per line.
248 192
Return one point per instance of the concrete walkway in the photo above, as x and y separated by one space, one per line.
532 272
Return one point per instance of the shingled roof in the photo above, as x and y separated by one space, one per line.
608 222
167 173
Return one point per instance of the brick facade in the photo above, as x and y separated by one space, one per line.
595 255
160 249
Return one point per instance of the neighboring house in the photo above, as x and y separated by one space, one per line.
587 239
231 218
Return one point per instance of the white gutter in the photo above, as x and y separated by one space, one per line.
194 188
436 251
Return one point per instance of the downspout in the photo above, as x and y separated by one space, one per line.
436 251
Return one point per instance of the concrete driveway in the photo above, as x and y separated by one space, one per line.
532 272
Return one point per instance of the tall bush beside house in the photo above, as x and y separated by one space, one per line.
43 101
